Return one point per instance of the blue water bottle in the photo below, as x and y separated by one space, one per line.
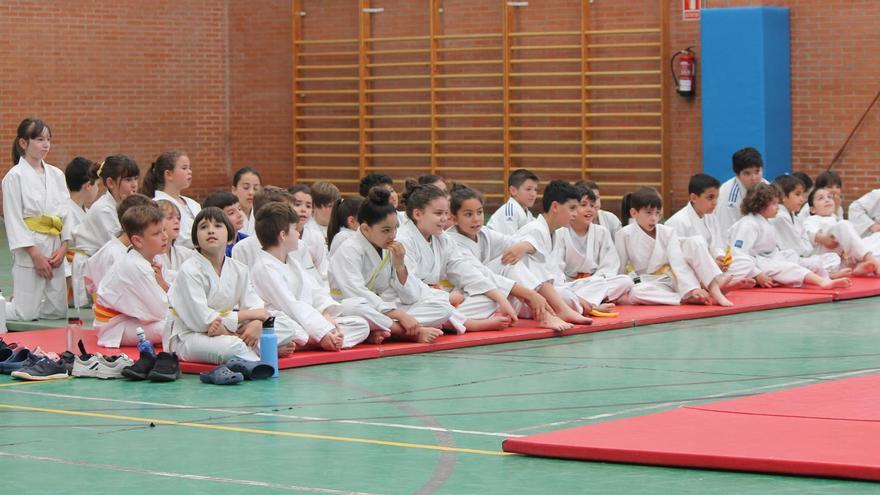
269 345
144 345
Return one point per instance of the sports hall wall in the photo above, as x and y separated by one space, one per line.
214 77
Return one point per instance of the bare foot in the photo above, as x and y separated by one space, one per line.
377 336
846 272
737 284
838 283
865 269
286 350
554 322
699 297
426 335
494 322
572 316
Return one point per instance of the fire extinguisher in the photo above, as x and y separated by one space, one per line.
685 81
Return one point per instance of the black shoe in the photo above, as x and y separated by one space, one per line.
167 368
141 369
67 359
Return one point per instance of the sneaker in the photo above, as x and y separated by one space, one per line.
167 368
15 362
111 367
43 369
67 359
141 369
86 365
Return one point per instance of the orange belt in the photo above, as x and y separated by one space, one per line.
103 314
581 275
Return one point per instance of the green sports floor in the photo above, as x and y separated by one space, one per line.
430 423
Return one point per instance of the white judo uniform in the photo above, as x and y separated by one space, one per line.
791 237
99 264
358 270
687 223
172 261
852 248
129 297
314 242
510 217
249 224
730 198
41 198
440 264
755 250
609 221
76 258
865 212
661 263
288 288
247 250
590 259
340 237
199 296
99 226
189 208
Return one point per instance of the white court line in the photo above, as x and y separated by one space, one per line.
272 415
681 403
168 474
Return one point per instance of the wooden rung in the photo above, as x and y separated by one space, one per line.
624 100
471 155
468 115
326 117
399 52
468 49
469 76
622 86
398 129
545 47
305 105
470 102
544 60
395 103
327 143
327 92
401 64
329 155
605 141
307 79
623 59
395 167
623 45
630 184
575 170
326 67
399 155
622 31
469 129
542 88
625 170
480 88
544 142
325 129
545 33
453 168
400 90
626 155
623 114
398 38
497 181
472 141
619 72
543 74
470 62
403 116
542 128
388 78
325 42
398 142
327 54
468 36
326 167
556 114
336 179
525 102
545 155
623 128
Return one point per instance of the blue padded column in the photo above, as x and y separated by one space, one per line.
746 87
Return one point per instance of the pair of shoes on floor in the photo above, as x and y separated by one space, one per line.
15 359
163 367
98 366
237 370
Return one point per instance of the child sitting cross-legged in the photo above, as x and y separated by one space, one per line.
829 234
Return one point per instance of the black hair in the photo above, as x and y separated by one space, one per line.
372 180
788 183
430 179
299 188
132 201
827 179
342 209
589 184
643 197
78 172
154 179
417 196
759 197
459 193
519 176
117 167
244 171
29 128
216 215
586 191
808 182
747 158
220 199
376 207
273 218
559 191
700 182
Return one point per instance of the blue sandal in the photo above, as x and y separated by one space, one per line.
252 370
221 375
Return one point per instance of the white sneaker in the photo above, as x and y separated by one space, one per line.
111 366
87 368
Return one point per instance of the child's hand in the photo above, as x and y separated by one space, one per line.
58 255
505 308
41 263
250 332
875 228
514 253
157 270
827 240
410 325
539 306
456 297
764 280
398 253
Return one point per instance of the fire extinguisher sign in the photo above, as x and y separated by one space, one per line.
691 10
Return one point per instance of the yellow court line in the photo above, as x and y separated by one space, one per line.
237 429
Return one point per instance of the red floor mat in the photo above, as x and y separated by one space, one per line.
830 429
861 287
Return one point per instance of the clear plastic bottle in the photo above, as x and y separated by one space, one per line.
269 345
3 328
74 333
144 345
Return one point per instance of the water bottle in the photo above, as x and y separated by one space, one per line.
3 328
269 345
74 333
144 345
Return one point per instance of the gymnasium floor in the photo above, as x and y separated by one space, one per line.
428 423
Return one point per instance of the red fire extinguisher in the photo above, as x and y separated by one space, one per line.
686 77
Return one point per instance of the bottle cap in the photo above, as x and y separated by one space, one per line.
269 323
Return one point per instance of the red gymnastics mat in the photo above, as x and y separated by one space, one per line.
830 429
861 287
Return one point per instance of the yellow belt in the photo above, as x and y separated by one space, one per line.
371 283
660 271
444 284
45 224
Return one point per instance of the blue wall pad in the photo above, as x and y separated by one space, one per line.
746 87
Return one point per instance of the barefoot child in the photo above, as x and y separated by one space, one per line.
371 265
133 293
522 185
168 176
285 286
832 235
604 218
246 183
755 250
119 174
697 218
